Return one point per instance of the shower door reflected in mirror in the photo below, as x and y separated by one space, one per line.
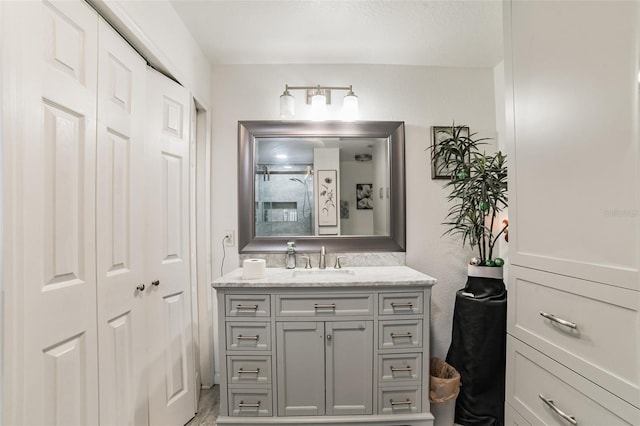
289 197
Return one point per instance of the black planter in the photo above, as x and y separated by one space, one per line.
478 351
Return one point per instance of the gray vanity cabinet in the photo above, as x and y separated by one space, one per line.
353 346
324 368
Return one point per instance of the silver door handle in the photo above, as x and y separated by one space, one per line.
248 405
401 305
394 335
393 403
560 321
324 306
549 402
407 368
256 371
247 307
241 337
140 287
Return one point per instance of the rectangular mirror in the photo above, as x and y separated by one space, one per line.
335 184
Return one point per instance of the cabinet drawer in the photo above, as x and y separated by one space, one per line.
248 369
402 400
513 418
248 305
250 402
400 303
532 376
601 336
248 336
400 334
324 306
399 368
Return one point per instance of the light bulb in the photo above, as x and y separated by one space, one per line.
350 107
318 106
286 105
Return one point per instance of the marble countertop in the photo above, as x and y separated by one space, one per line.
363 276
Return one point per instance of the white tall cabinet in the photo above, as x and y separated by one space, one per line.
97 302
573 346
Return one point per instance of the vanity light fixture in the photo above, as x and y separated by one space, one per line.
318 97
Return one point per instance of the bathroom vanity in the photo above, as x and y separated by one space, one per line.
325 346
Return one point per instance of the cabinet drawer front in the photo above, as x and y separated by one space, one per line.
248 305
513 418
543 391
247 369
324 306
402 400
591 327
250 402
400 303
248 336
396 368
400 334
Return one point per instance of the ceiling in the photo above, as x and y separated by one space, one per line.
457 33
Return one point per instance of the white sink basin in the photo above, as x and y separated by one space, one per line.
321 272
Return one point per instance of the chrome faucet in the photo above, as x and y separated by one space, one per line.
323 262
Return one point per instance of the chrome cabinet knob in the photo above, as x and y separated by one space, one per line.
140 287
155 283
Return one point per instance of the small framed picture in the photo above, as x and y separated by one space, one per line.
327 208
438 134
364 196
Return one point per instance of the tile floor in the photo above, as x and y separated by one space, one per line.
208 408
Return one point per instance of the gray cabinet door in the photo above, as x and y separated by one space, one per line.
300 363
349 367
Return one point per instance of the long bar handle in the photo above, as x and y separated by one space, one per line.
256 371
401 305
560 321
407 368
394 335
393 403
249 307
324 306
565 416
241 337
247 405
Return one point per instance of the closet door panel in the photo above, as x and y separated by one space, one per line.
120 231
575 203
55 377
170 355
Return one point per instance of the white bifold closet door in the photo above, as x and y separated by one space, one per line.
98 191
120 220
168 301
54 45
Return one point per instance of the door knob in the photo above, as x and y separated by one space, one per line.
140 287
155 283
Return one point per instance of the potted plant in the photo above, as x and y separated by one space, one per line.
477 191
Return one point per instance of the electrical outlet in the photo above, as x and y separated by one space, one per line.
229 238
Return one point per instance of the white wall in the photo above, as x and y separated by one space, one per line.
419 96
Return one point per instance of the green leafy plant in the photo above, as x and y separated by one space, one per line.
478 189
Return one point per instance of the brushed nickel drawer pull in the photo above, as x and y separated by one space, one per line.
324 306
243 405
256 371
407 368
248 307
549 402
402 305
241 337
560 321
394 403
394 335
